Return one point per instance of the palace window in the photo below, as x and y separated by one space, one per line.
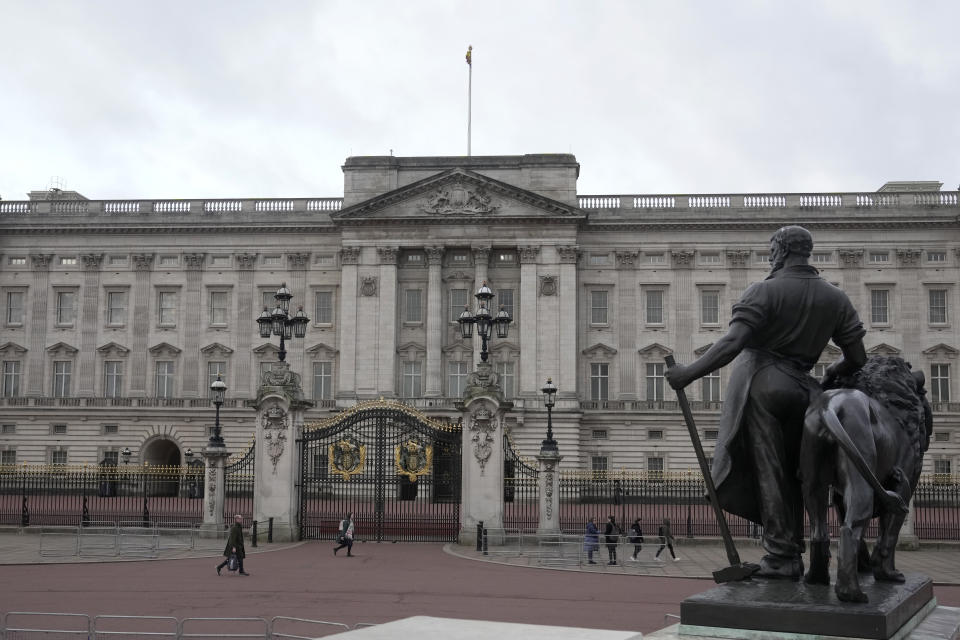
710 258
112 379
65 307
59 429
164 379
655 258
710 387
599 434
879 306
8 429
167 308
116 307
653 304
322 380
598 464
219 303
8 457
709 306
506 372
456 379
14 314
215 369
599 380
936 256
655 381
62 372
942 467
411 377
68 262
941 436
110 429
323 311
820 257
169 261
938 306
505 300
940 382
111 458
598 307
458 300
710 434
12 371
654 434
879 257
17 262
413 305
598 259
655 465
58 458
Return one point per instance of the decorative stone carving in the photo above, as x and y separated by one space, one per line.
275 433
528 255
142 261
434 255
483 382
909 257
682 257
347 457
41 261
737 257
482 425
368 286
627 258
280 378
850 257
457 197
246 261
413 459
548 285
194 261
481 255
298 260
388 255
350 255
91 261
568 254
212 488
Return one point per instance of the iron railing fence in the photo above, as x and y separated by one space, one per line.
521 489
238 487
680 497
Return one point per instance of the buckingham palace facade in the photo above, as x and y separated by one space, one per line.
117 315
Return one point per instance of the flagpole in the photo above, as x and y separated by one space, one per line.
469 97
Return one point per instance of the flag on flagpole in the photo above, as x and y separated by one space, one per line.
470 55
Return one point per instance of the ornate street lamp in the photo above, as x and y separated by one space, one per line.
126 453
219 389
549 391
279 322
484 320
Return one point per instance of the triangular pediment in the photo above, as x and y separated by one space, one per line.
458 348
267 348
321 350
655 350
164 349
599 349
412 350
883 349
830 352
12 349
62 349
941 351
505 350
457 195
112 348
216 349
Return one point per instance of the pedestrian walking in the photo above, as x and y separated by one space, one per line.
345 536
234 546
666 539
611 534
591 541
636 539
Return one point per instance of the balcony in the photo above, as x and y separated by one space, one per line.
806 201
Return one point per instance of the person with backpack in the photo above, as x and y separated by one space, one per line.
636 539
611 536
234 547
591 541
345 536
666 539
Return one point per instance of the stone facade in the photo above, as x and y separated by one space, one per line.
117 315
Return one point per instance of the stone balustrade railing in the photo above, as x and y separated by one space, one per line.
222 207
773 200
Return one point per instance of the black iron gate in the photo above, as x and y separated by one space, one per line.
238 482
521 489
396 470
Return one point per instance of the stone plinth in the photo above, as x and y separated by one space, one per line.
549 481
213 496
429 628
788 607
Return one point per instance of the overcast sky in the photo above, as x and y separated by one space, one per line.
193 99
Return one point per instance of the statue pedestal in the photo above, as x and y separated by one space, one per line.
549 480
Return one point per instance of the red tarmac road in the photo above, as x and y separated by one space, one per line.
383 582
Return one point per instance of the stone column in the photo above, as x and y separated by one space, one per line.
387 329
566 374
213 493
483 409
140 322
195 320
481 260
347 329
89 324
280 406
248 308
39 320
686 315
549 481
436 324
528 325
627 323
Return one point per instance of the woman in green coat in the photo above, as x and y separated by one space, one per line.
234 546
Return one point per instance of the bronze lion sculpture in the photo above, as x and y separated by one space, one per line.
865 437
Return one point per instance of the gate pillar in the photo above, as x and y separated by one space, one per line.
483 409
213 493
280 406
549 479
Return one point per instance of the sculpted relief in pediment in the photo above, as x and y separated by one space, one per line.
459 198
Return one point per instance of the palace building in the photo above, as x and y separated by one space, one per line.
118 315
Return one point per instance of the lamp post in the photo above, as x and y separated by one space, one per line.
549 391
280 323
484 320
219 389
126 453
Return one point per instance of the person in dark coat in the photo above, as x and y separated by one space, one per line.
591 541
235 545
611 534
636 539
777 332
666 539
345 536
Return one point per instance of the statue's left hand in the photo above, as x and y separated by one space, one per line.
677 376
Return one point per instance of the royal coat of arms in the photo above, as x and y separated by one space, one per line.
413 459
347 458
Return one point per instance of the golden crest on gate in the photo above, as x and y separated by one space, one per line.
347 458
413 459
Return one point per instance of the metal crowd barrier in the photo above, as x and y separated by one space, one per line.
302 625
131 627
58 542
107 539
44 626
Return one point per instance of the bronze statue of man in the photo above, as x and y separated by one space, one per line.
778 329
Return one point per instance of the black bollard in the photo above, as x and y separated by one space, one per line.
270 530
253 534
480 536
484 542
